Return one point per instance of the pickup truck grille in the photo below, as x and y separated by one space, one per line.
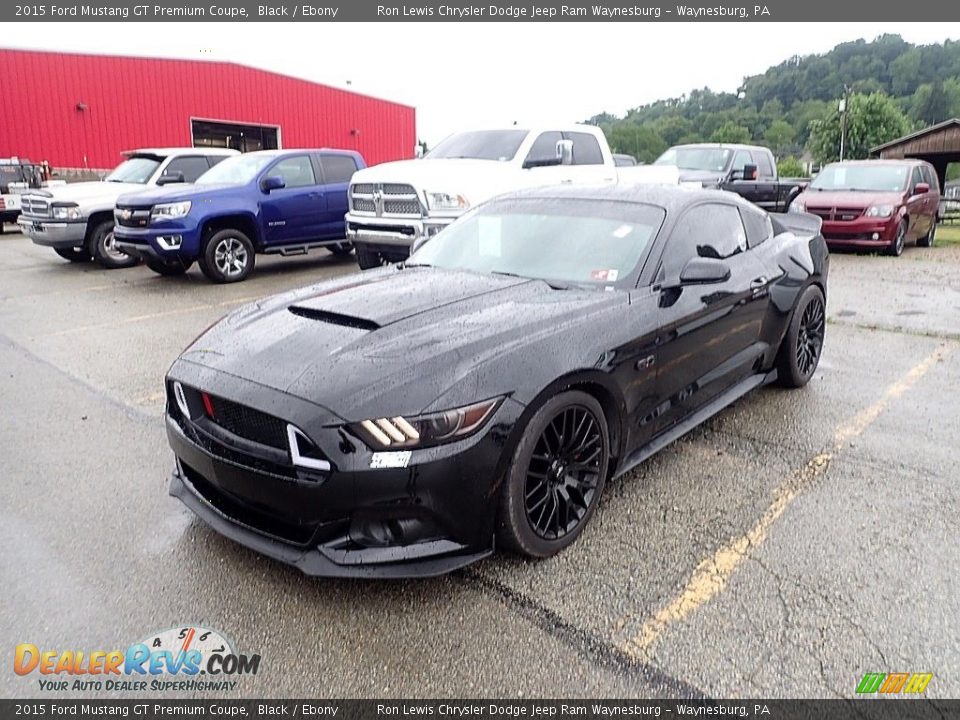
35 206
132 217
385 199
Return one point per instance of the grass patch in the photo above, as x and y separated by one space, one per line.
948 235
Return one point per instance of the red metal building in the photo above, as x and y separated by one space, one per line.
80 111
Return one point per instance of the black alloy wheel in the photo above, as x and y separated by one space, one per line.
557 476
802 346
810 337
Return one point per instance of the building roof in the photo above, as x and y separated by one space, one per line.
947 132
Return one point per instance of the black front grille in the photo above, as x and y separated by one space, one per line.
248 423
132 217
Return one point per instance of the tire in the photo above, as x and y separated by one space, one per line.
543 505
228 256
75 255
928 239
802 346
341 249
100 247
169 268
896 245
367 259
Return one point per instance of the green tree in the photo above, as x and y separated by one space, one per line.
641 141
930 104
779 136
790 167
730 132
871 120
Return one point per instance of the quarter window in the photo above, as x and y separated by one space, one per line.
296 171
757 224
713 231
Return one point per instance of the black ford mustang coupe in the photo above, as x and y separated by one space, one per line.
406 420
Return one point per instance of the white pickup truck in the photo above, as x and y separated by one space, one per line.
76 219
393 205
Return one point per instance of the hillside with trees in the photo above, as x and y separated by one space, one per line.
895 87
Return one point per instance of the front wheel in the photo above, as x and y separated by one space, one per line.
556 477
367 259
75 255
228 256
100 246
802 346
169 267
896 246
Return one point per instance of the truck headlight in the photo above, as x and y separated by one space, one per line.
446 201
880 211
66 212
425 430
170 211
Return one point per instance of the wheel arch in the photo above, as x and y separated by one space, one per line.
96 218
243 222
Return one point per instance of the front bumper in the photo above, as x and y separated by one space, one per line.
170 241
428 518
56 234
392 236
862 232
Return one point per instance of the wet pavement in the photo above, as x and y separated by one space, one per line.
793 543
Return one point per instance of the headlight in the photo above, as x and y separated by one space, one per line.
446 201
170 211
880 211
425 430
797 206
66 212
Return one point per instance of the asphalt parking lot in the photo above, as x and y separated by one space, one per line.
797 541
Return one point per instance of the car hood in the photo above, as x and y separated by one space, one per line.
849 199
392 340
477 180
78 192
710 177
174 193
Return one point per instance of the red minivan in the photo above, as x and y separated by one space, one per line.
878 204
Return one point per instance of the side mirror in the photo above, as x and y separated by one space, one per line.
704 271
750 172
170 178
272 182
921 189
565 152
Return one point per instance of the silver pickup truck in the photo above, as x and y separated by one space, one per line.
76 219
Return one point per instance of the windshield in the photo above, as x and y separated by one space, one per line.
870 178
696 158
580 241
500 145
236 170
138 169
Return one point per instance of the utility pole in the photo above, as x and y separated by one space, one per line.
844 104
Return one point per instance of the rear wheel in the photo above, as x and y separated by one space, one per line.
169 267
928 239
802 346
556 477
228 256
341 249
76 255
100 246
367 259
896 246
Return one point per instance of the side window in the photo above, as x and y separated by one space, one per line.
544 147
930 177
757 224
915 179
764 164
296 171
215 159
741 159
192 167
713 231
586 149
337 168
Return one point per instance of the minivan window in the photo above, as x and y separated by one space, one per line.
867 177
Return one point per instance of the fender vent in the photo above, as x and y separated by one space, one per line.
334 318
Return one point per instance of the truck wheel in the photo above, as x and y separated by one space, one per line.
75 255
228 256
169 267
367 259
340 249
100 246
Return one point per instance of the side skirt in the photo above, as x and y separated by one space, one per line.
700 416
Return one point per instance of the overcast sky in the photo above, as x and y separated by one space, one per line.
485 74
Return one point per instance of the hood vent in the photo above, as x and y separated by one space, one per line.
334 318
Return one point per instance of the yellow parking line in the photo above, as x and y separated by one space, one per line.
712 575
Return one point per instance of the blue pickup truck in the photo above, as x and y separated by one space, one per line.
272 201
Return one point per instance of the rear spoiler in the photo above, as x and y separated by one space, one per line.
797 223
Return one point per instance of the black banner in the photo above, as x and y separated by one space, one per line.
862 709
516 11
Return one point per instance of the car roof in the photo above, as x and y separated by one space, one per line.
671 198
294 151
167 151
731 146
877 161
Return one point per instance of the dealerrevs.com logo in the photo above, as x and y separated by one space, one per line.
184 659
